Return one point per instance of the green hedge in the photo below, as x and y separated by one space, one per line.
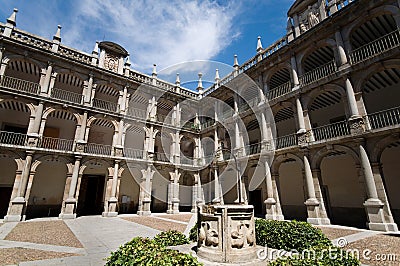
145 251
289 235
193 233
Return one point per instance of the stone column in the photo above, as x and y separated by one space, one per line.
198 197
111 203
173 192
88 92
296 25
356 122
300 117
218 196
45 86
3 68
373 205
265 133
342 58
176 115
152 110
145 191
70 204
294 71
270 202
316 173
18 204
313 205
176 147
34 127
149 142
81 135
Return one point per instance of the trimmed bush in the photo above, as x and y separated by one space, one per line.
289 235
193 233
171 238
145 251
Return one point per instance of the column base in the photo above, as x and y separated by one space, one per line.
143 213
384 227
67 216
276 217
12 218
172 211
16 210
319 221
109 214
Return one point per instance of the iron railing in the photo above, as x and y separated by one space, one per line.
161 157
253 149
135 112
331 131
67 96
19 84
101 149
56 144
384 118
105 105
318 73
133 153
377 47
279 91
286 141
12 138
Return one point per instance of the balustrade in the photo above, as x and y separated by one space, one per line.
30 39
19 84
135 112
105 105
331 131
75 54
67 96
133 153
56 144
318 73
101 149
279 91
13 138
286 141
384 118
385 43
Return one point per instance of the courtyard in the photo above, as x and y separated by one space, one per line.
88 240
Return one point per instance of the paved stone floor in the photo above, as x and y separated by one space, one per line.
99 236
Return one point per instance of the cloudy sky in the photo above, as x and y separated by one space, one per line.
164 32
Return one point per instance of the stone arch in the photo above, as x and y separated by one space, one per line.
309 98
330 43
280 68
372 69
322 153
112 123
24 68
69 111
283 158
380 146
386 9
4 103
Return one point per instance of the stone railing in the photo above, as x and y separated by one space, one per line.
75 54
189 93
318 73
136 112
286 141
165 85
253 149
67 96
274 47
105 105
19 84
161 157
94 148
133 153
248 64
385 43
56 144
279 91
139 77
31 39
13 138
384 118
331 131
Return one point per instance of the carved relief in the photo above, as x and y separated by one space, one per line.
357 126
243 236
207 235
111 62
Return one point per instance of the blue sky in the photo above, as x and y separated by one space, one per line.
156 31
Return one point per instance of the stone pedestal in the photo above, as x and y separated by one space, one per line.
226 233
111 208
374 208
16 210
145 207
69 209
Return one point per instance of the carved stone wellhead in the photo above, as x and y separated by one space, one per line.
226 233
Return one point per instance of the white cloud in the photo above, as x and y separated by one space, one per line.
161 32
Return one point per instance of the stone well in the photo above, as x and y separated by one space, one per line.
226 233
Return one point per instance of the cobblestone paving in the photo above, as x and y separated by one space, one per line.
333 233
156 223
179 217
44 232
16 255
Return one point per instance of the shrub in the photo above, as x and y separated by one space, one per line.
144 251
289 235
193 233
171 238
319 256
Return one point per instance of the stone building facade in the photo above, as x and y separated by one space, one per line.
77 138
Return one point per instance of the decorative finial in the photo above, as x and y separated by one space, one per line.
178 80
259 45
96 48
217 78
200 84
12 19
57 37
154 73
127 62
235 61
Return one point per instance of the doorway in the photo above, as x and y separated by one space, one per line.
5 195
91 195
255 199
